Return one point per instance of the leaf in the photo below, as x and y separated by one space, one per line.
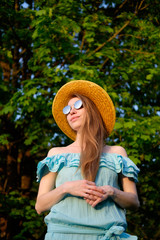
149 76
118 125
31 92
7 109
4 139
129 124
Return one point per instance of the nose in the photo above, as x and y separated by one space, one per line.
73 110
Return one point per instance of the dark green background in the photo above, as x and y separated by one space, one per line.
44 44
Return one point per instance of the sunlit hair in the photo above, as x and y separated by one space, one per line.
92 139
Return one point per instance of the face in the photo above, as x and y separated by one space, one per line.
76 116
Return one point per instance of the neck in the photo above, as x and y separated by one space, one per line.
77 142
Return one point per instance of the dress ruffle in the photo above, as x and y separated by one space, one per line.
112 161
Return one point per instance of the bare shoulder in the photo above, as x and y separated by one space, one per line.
54 151
115 149
59 150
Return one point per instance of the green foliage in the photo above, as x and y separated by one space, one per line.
21 209
48 43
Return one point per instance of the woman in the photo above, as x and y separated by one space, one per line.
87 185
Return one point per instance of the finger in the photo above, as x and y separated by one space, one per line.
90 183
94 193
90 197
96 202
87 196
90 202
100 189
97 189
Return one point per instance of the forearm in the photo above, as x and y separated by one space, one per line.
125 199
80 188
47 200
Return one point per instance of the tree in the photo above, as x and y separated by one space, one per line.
113 43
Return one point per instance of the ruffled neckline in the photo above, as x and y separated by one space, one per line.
78 153
113 161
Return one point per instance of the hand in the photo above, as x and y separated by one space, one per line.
84 188
108 192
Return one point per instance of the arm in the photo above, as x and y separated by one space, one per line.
47 196
127 198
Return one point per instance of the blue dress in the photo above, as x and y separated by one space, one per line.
73 218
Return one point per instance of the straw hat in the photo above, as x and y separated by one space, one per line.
89 89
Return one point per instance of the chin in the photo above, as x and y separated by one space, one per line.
74 127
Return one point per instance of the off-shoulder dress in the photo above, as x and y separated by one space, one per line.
73 218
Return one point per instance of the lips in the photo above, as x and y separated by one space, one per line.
74 118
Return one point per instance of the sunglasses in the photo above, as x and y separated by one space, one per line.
77 105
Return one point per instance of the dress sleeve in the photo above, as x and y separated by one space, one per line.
55 164
121 164
129 169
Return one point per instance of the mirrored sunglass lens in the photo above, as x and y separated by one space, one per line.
66 109
78 104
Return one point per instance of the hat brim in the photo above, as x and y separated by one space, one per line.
89 89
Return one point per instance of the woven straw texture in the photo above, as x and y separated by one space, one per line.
93 91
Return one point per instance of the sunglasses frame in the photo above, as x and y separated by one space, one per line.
67 109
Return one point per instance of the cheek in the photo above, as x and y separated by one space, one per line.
67 117
84 112
84 116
